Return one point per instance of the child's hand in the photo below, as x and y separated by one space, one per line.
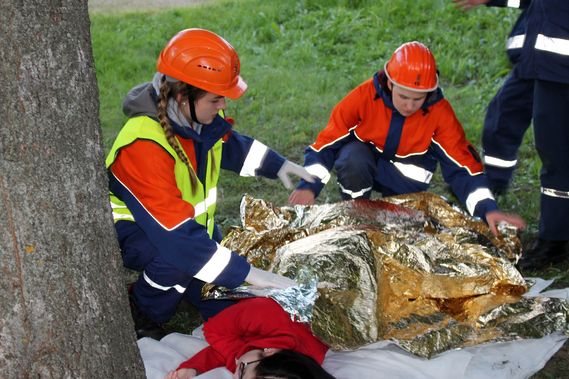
493 218
183 373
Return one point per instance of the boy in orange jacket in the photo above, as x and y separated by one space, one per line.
389 133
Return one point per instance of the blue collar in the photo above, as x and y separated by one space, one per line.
210 133
385 95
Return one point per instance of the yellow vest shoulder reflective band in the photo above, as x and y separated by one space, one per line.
203 198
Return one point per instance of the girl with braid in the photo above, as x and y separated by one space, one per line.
163 171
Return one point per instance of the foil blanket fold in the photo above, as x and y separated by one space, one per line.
411 268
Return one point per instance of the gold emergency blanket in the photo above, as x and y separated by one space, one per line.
411 268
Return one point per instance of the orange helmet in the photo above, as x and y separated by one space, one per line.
412 66
204 60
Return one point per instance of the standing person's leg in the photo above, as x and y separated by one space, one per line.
551 124
507 118
355 168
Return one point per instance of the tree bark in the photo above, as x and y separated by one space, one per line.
63 304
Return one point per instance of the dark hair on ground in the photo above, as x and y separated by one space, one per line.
288 364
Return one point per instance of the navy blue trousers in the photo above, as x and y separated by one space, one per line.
508 116
551 128
360 170
161 286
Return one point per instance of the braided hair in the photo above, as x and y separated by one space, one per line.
172 89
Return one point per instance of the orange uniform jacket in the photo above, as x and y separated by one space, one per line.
431 135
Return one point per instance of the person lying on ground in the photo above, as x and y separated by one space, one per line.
256 338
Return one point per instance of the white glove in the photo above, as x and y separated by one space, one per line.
292 168
261 278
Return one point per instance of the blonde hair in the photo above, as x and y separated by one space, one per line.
167 90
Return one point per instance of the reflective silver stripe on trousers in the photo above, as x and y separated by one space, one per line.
354 194
497 162
319 171
515 42
153 284
477 196
254 159
555 193
553 45
215 265
414 172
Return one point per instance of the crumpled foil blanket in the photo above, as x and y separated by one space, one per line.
411 268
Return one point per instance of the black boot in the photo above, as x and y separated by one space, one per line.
143 325
543 254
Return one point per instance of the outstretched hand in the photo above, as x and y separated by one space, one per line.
493 218
183 373
289 168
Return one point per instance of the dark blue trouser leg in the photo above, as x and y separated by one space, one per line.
159 289
389 180
360 171
507 118
160 286
551 128
355 168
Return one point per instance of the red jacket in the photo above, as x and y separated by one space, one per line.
252 324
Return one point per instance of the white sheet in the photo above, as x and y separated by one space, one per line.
384 359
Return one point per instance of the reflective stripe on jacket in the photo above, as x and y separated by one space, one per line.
517 36
545 54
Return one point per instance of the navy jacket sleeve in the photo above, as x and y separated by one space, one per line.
248 157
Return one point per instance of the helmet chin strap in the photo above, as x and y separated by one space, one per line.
193 112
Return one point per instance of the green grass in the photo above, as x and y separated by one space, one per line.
301 57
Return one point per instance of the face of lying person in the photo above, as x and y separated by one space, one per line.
247 363
405 100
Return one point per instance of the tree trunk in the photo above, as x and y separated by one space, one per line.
63 304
